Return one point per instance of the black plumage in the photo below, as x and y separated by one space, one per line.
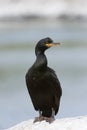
42 83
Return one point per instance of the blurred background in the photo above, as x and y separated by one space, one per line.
22 24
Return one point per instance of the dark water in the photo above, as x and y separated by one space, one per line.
17 43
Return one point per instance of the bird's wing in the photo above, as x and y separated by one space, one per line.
54 82
54 86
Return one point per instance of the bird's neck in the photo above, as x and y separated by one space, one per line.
41 61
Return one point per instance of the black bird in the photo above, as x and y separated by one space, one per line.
42 83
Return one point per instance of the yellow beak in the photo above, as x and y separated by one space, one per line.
52 44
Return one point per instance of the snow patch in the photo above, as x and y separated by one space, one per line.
76 123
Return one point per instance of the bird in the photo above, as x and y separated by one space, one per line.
43 85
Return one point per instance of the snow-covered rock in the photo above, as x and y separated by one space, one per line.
76 123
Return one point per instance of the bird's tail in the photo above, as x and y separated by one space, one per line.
47 113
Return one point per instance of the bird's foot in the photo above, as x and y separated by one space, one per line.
38 119
42 118
49 119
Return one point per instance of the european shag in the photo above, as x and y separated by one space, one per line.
43 85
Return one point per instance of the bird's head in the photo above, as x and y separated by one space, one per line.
44 44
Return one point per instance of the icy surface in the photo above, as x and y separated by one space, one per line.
76 123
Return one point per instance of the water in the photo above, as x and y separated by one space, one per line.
17 41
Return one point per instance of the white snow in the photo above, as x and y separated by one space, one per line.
76 123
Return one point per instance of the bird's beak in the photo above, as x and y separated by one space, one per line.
52 44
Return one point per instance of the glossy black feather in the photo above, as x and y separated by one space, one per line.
42 83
